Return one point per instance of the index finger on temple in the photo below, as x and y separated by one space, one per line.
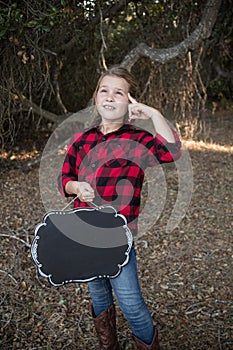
131 99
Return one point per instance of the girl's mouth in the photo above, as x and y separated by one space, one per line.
109 107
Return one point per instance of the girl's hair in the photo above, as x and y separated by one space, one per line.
115 71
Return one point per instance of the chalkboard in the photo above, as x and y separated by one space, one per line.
81 244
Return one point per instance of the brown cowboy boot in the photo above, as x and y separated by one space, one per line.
153 346
105 326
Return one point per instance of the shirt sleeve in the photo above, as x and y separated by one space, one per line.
161 151
69 171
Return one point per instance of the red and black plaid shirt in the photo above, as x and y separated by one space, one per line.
114 165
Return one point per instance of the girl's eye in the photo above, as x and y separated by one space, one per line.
119 93
103 90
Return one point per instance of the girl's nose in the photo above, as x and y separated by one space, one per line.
109 98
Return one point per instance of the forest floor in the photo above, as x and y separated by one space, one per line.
186 274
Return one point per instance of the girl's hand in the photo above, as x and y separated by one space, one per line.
139 110
85 192
82 189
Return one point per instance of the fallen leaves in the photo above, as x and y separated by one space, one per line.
186 275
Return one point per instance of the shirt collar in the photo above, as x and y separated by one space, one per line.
124 127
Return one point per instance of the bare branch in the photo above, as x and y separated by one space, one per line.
202 32
58 68
17 239
39 111
8 274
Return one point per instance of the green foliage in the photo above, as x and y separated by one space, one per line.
23 15
9 16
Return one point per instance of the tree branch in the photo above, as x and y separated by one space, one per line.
202 32
39 111
57 71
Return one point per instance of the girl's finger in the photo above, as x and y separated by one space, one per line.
131 99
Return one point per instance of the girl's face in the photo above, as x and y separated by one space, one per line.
112 99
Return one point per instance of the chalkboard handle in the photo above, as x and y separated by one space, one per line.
93 205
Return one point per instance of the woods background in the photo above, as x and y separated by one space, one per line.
52 53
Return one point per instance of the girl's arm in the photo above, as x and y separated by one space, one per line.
141 111
68 183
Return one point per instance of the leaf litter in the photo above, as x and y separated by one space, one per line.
186 275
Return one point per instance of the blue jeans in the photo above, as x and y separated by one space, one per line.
129 297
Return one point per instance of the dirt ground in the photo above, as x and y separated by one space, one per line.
186 275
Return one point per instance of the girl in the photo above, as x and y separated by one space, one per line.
106 163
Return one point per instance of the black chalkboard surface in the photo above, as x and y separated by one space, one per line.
81 244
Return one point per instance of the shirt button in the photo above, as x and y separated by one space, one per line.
93 165
103 138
